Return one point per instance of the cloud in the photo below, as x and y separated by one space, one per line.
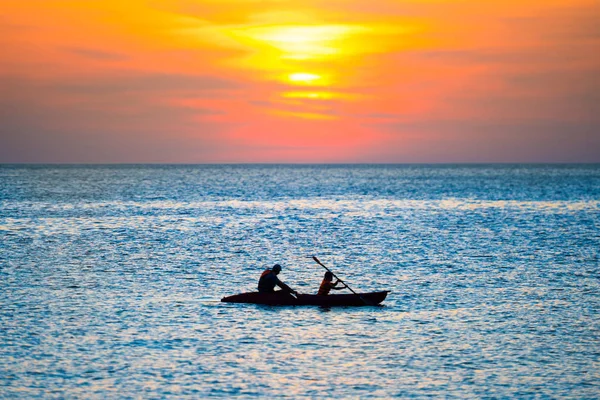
201 81
451 141
139 81
150 133
97 54
126 118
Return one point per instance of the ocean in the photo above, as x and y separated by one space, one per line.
111 278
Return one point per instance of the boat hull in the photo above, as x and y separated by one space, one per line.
286 299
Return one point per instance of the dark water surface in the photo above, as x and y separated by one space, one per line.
110 280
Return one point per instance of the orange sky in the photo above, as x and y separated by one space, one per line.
203 81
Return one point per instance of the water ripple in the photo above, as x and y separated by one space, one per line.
110 280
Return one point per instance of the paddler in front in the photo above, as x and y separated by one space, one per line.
327 285
268 280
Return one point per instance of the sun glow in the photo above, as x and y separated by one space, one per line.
304 55
302 42
309 95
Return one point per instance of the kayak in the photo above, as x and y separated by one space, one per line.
285 299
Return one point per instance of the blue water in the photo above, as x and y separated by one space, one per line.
111 276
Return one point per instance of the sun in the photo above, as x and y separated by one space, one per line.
300 62
303 77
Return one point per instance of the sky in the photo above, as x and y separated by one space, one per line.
299 81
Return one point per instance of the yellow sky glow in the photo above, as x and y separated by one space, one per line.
302 42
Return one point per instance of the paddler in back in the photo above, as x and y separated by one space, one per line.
268 280
327 285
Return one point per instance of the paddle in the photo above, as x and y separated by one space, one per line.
345 284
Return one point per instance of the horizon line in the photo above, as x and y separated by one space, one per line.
294 163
